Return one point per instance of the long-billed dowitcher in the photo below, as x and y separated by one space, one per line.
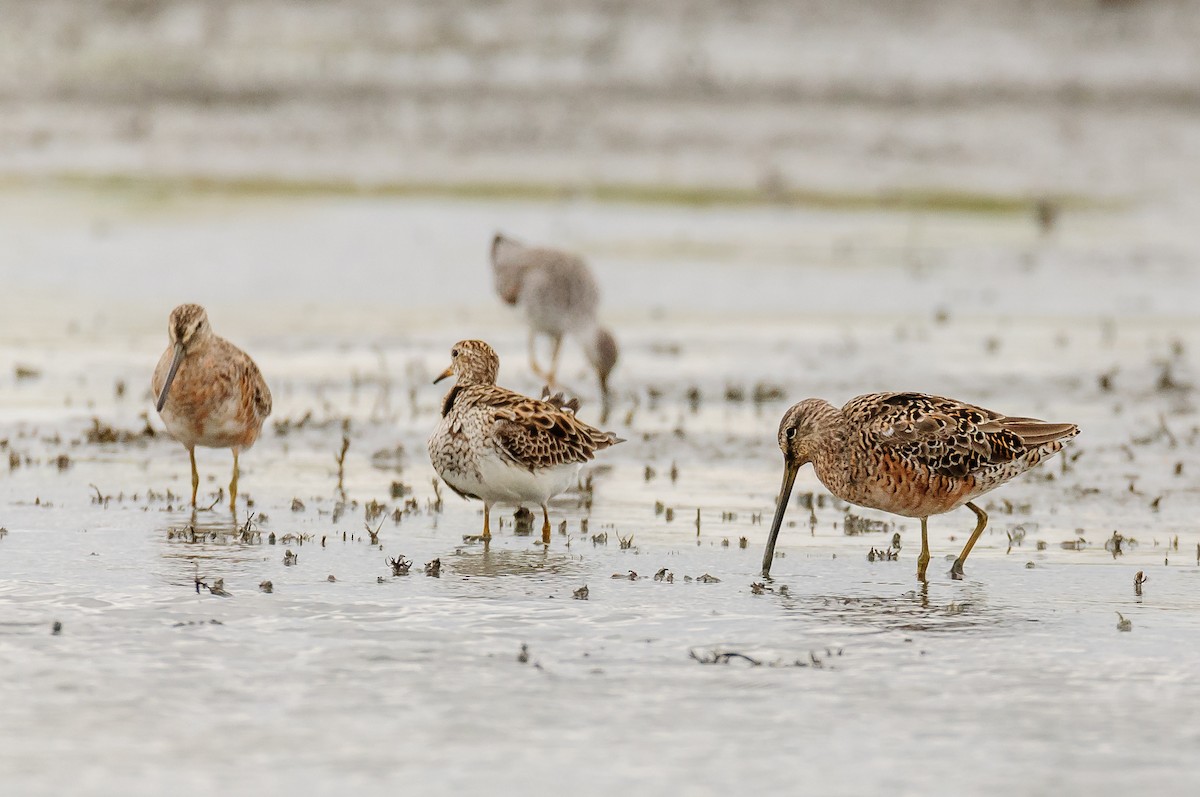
498 446
910 454
210 393
559 296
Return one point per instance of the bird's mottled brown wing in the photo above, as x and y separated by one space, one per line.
242 371
536 434
949 437
262 393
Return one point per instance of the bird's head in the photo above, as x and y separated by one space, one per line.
187 327
472 362
602 354
799 431
507 268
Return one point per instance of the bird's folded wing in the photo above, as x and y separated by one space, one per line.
535 434
949 437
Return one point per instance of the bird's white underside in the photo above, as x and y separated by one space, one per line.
501 482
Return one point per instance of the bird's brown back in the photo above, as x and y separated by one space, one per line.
916 454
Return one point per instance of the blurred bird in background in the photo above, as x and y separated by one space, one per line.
559 296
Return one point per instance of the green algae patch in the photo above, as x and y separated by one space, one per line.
915 200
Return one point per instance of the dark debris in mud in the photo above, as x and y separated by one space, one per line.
719 656
884 555
186 623
216 588
102 433
1138 580
853 525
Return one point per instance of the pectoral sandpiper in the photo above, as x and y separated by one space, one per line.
910 454
498 446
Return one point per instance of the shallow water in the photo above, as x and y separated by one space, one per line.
1016 678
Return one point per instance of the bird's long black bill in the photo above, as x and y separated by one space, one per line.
178 358
444 374
785 494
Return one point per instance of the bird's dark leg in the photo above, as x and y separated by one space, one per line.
487 513
956 572
545 525
233 483
195 475
923 559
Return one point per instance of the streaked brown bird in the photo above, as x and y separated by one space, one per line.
910 454
209 392
498 446
559 297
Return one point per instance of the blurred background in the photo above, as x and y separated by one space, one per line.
995 200
335 149
1002 99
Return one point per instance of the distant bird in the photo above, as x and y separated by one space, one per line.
210 393
559 296
498 446
910 454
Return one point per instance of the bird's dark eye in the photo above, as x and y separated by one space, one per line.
791 432
454 352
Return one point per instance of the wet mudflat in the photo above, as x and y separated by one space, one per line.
682 669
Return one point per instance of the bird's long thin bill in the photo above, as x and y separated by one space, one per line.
448 372
785 494
178 358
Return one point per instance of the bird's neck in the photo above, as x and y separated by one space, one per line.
829 448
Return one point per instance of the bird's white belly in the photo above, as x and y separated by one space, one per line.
502 482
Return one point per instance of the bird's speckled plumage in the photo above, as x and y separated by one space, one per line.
216 397
559 297
501 447
911 454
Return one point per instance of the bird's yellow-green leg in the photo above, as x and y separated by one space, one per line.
533 363
195 474
233 483
545 525
487 529
980 525
923 559
552 375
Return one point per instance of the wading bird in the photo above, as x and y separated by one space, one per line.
559 297
498 446
209 392
910 454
